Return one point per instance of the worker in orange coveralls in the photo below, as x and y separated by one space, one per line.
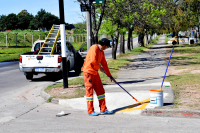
94 60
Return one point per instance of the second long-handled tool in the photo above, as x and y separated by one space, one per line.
166 68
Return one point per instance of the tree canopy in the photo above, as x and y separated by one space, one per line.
25 20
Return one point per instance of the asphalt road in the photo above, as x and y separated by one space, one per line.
108 52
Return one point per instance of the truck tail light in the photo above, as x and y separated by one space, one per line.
59 59
20 59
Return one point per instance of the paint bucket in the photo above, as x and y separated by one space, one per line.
156 97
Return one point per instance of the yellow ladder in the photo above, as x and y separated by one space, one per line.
49 45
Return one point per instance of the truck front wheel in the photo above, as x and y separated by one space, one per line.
29 76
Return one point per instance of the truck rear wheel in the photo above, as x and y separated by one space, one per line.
29 76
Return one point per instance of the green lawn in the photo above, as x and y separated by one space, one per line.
12 54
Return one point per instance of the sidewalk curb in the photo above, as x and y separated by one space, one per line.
171 113
46 96
43 94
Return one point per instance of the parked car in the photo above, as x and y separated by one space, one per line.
182 40
170 35
83 50
32 64
111 41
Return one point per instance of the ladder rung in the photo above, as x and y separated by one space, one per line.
47 47
48 43
44 52
50 38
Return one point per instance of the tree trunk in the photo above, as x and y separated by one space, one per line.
121 44
141 40
177 38
129 39
174 34
114 49
146 37
95 38
199 29
96 26
112 41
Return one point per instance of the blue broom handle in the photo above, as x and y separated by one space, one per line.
121 87
167 67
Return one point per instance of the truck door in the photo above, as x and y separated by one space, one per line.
71 55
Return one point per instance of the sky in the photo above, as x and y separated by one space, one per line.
71 9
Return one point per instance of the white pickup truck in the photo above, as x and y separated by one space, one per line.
32 64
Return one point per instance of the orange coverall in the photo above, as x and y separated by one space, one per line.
94 58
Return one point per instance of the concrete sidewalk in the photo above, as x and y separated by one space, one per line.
143 74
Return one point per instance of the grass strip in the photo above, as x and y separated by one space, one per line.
180 83
185 82
11 54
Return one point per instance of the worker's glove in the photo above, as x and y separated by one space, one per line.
102 70
112 79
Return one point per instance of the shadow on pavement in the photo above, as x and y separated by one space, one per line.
52 77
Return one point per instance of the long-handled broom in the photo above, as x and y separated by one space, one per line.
123 88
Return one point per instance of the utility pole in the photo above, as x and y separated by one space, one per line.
63 45
89 25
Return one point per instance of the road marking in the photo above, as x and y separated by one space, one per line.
131 107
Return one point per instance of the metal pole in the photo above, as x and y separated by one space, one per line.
7 40
89 27
63 44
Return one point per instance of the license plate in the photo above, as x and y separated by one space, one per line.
39 69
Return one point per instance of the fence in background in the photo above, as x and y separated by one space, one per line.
12 39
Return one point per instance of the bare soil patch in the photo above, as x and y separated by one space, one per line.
73 91
179 54
173 71
190 98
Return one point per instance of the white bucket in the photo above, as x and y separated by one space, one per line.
156 97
